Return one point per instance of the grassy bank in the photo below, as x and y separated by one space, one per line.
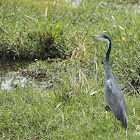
28 33
71 105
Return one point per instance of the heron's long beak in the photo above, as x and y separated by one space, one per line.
96 36
99 37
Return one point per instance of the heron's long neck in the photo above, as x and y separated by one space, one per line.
108 72
108 51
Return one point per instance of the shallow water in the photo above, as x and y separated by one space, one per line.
10 75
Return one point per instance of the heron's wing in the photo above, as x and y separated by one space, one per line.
115 98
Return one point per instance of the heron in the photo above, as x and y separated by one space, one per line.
113 93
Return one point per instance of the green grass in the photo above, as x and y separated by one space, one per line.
63 108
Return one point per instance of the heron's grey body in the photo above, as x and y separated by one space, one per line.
113 93
114 97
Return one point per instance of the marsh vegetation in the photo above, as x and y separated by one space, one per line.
65 96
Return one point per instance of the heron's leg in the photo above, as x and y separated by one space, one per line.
126 134
107 108
115 125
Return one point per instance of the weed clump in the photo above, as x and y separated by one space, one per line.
28 34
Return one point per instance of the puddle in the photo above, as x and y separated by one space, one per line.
10 77
12 80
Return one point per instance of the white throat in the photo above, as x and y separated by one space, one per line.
106 40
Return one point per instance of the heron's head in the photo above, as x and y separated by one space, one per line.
103 37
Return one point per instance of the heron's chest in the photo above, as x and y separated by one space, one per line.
111 90
108 84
